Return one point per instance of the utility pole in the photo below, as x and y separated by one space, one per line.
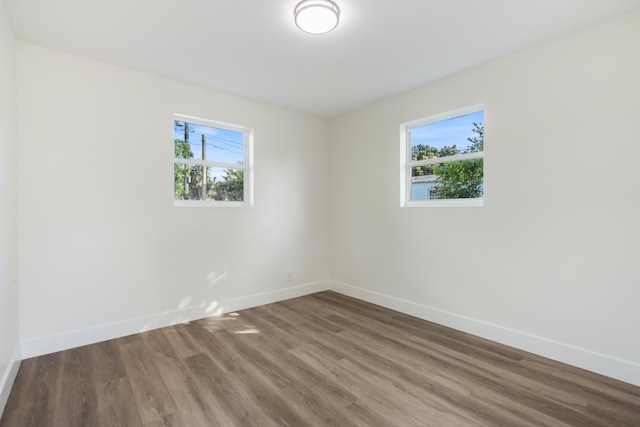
204 168
188 177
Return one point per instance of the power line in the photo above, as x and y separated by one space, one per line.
220 139
231 150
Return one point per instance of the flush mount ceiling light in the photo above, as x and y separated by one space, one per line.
316 16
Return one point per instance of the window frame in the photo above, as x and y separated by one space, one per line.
407 163
246 167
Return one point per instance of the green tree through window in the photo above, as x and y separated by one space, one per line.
209 163
462 179
446 159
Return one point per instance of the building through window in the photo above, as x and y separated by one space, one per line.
443 159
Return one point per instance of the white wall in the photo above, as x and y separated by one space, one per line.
552 259
100 240
9 332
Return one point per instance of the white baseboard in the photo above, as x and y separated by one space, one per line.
8 377
575 356
50 344
579 357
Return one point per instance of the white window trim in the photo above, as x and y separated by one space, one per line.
454 158
407 163
247 167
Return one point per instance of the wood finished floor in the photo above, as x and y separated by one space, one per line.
320 360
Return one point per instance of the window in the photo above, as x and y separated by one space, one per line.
443 159
212 163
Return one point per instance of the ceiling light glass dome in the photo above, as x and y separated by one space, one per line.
317 16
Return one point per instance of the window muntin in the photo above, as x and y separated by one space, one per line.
212 163
443 159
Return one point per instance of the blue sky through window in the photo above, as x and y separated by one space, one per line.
447 132
221 145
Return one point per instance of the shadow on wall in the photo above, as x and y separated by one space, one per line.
186 311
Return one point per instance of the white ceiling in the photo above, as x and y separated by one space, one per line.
252 48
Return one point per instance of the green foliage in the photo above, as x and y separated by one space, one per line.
188 180
180 173
231 188
459 180
455 180
185 177
182 149
477 141
463 179
423 152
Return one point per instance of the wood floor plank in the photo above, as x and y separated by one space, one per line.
22 404
157 342
257 388
149 391
483 360
106 361
436 358
319 360
321 401
228 399
214 345
79 407
170 420
387 406
185 391
182 343
259 392
478 376
34 398
114 404
433 388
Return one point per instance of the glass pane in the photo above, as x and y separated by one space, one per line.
225 184
450 180
187 145
194 141
187 181
225 145
464 134
423 182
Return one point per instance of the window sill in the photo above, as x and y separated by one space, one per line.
209 204
443 203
